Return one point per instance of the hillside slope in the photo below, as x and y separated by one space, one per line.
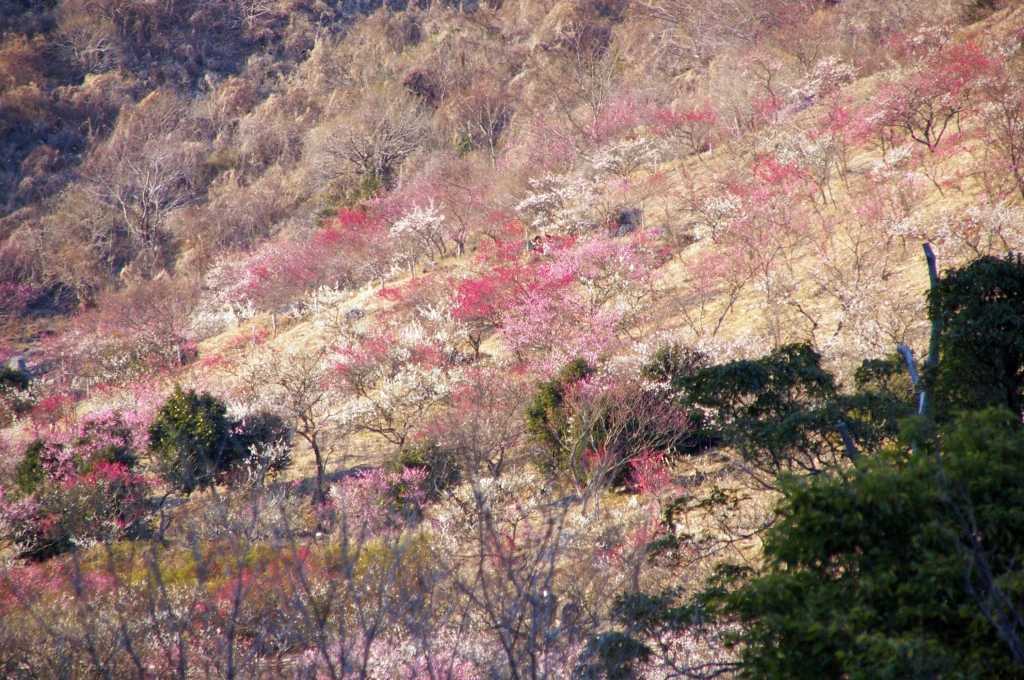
369 340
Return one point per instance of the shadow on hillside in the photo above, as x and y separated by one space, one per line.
306 485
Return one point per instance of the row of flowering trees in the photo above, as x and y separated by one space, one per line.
950 98
581 294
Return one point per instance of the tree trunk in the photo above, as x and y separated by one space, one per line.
321 474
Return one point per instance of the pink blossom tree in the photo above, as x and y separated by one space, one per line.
348 251
755 224
131 334
938 90
580 298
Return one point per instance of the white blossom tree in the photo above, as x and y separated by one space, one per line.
418 233
558 203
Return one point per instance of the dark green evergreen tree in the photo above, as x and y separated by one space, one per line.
980 309
190 440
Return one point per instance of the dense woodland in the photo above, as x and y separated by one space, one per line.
520 339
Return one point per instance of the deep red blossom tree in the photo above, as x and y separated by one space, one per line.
480 302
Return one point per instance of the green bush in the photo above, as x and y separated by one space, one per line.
15 399
545 420
779 411
440 463
782 412
877 573
980 308
195 445
13 379
29 474
190 440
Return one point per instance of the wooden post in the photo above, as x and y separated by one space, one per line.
851 449
932 363
915 377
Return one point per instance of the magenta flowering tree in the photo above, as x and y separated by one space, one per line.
78 487
376 502
693 125
579 299
649 472
479 302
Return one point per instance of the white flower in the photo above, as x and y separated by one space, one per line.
559 203
828 75
626 156
715 214
425 221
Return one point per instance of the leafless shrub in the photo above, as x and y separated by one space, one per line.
372 142
90 38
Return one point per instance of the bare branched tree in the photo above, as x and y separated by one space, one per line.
298 384
146 170
372 141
